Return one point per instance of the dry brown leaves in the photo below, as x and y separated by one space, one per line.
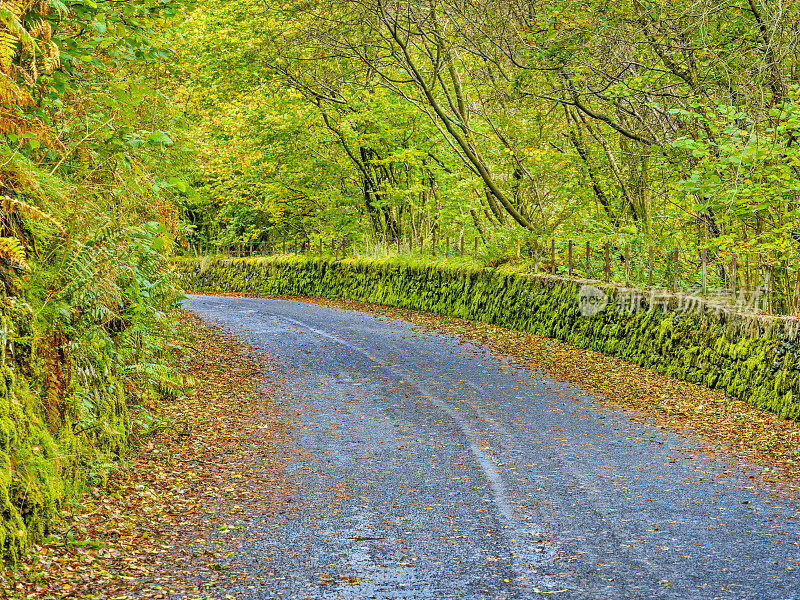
153 530
763 446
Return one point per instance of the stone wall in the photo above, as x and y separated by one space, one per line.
750 356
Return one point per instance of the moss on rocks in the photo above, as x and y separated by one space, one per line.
752 357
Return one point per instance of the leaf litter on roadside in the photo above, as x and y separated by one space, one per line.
151 530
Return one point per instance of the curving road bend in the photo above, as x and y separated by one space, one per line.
436 470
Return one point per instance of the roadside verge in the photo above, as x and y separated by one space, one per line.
153 529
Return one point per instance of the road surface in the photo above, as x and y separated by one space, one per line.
433 469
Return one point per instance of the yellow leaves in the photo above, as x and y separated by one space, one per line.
8 50
11 93
15 42
11 252
9 205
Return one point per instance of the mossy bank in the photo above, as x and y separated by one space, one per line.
752 357
61 420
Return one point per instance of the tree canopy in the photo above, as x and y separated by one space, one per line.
651 121
670 123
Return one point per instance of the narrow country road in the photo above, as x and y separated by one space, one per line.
435 470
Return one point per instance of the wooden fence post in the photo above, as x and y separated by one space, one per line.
785 269
746 272
675 263
608 265
768 285
797 294
588 260
569 257
650 268
704 264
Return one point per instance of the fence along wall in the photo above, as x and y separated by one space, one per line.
752 357
749 280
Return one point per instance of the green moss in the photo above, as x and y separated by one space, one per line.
41 466
745 359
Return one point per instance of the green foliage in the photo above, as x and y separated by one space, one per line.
89 175
644 123
745 166
89 328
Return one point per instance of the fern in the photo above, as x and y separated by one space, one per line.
9 205
15 41
14 33
10 92
12 253
165 381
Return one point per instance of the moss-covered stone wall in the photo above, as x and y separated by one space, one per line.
752 357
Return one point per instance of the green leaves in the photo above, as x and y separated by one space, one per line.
744 166
159 137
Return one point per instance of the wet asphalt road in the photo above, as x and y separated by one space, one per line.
434 470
